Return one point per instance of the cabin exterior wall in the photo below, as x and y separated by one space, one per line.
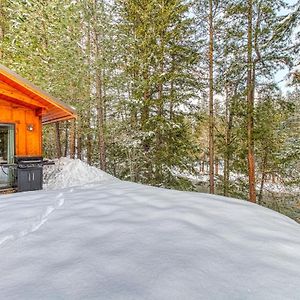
27 142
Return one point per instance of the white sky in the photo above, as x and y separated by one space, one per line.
281 76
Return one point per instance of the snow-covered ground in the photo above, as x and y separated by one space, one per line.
108 239
200 177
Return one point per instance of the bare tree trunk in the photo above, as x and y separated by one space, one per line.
133 110
226 175
79 139
100 115
89 141
226 154
88 95
72 139
158 170
66 138
104 97
58 141
216 167
211 100
273 178
263 176
250 105
228 140
172 100
172 92
99 86
145 112
2 29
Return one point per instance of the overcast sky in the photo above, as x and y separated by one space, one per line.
281 76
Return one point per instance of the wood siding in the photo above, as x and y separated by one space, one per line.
27 143
20 91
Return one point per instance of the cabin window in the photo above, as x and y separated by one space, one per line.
7 146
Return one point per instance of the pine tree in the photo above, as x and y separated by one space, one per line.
211 100
250 105
159 62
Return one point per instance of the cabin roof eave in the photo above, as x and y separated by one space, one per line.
66 112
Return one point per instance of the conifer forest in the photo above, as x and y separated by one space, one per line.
195 95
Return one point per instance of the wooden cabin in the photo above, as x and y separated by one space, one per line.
24 109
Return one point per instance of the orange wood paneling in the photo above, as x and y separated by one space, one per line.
28 143
20 91
16 96
24 104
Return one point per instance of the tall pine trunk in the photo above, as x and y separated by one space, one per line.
72 139
172 90
89 148
228 133
58 141
2 29
79 138
263 175
250 107
66 139
99 86
100 116
211 100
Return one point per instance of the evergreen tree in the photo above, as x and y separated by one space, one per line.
163 88
160 58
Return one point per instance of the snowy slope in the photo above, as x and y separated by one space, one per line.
119 240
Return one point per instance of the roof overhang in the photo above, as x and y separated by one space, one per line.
19 90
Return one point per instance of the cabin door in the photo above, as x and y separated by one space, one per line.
7 152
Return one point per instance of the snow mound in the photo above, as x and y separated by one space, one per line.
124 241
69 172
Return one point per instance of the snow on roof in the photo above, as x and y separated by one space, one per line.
120 240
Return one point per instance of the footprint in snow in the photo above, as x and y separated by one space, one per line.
42 219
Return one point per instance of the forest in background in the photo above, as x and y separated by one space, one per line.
171 93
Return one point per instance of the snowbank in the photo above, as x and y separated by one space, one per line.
121 241
72 172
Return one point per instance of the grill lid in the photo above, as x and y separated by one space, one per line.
28 159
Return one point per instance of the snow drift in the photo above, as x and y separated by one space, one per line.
120 240
72 172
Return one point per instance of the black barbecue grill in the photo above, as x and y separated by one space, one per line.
26 173
29 172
